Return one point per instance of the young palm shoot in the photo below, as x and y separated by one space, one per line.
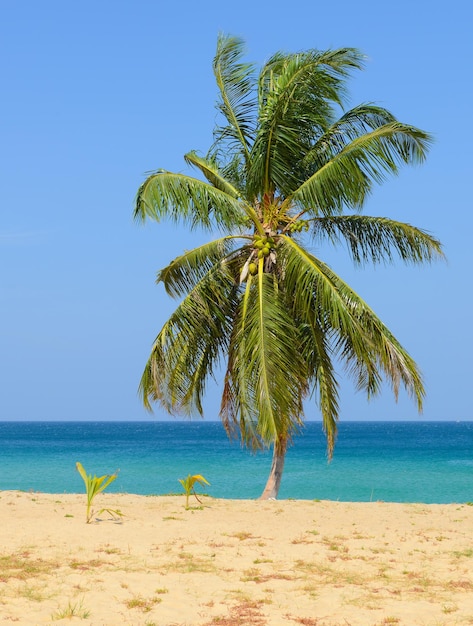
188 485
93 486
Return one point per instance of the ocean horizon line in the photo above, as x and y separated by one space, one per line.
217 421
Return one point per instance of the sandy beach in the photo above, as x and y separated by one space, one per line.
233 562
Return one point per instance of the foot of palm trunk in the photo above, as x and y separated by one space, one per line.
274 480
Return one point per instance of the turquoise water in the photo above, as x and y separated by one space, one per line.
428 462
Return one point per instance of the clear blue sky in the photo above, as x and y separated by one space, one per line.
96 94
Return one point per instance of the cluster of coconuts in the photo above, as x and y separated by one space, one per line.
264 245
297 227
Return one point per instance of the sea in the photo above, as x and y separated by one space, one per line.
429 462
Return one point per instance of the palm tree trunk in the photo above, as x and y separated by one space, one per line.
274 479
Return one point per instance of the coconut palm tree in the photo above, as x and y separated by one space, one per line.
289 166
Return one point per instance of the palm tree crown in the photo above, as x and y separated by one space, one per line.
284 169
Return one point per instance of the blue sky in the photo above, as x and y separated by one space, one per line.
96 94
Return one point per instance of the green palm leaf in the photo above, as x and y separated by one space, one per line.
187 270
210 170
375 239
188 200
295 96
317 352
189 346
266 376
347 178
362 341
237 103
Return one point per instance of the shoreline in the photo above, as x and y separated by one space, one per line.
234 561
210 498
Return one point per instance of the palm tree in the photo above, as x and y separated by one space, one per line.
288 166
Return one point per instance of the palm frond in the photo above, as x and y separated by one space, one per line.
375 239
237 411
361 340
266 379
181 198
210 170
189 346
348 176
296 94
318 355
235 81
188 269
324 75
351 125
